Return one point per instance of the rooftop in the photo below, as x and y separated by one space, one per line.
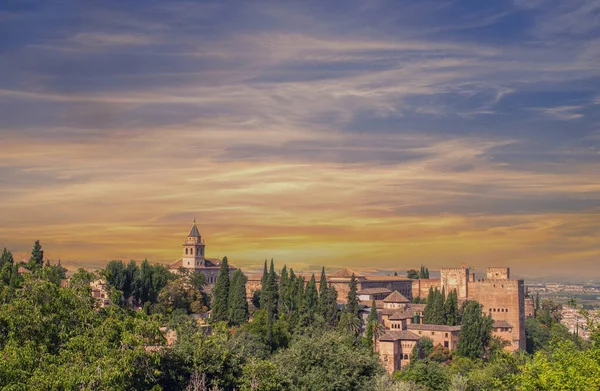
396 297
432 327
373 291
396 335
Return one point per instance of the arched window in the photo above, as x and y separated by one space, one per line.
406 356
186 251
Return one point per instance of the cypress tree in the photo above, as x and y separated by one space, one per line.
451 308
428 307
438 312
263 282
36 261
284 291
238 305
311 297
372 320
352 306
426 273
297 301
475 333
322 284
221 293
271 299
395 274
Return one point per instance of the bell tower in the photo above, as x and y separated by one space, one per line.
193 249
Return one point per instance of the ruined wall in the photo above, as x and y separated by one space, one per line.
498 273
455 278
420 288
503 300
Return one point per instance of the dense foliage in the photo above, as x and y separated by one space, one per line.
53 336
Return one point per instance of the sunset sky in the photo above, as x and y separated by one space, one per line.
361 134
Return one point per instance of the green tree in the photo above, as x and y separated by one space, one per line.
311 297
36 261
221 293
476 331
413 274
435 312
328 301
451 308
352 304
6 266
238 305
372 321
328 361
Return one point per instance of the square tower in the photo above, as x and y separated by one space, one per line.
193 250
455 278
498 273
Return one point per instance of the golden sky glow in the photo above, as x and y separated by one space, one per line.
371 148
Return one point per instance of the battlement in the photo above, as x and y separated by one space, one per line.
455 279
498 273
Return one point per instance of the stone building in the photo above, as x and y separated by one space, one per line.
194 259
501 297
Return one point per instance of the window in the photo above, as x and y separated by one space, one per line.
406 356
446 335
507 310
446 344
433 333
186 251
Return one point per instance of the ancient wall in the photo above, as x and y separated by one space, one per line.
402 285
455 278
498 273
503 300
420 287
252 285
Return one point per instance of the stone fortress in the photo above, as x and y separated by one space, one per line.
502 298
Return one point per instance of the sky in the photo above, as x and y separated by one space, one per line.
373 135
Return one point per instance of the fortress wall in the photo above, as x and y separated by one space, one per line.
420 287
503 300
455 278
403 286
498 273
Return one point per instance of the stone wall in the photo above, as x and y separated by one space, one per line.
529 308
498 273
420 287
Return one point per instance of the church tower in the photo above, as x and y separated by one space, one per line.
193 249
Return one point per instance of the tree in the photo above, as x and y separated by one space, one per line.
434 312
328 301
327 361
311 297
549 313
352 305
6 266
413 274
284 291
476 331
372 320
238 305
451 308
221 293
36 261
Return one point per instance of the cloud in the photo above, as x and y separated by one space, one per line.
385 135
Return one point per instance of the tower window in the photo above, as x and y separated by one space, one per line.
186 251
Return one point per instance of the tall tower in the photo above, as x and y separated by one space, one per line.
193 249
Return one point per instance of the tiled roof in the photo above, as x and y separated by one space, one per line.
396 335
395 297
194 232
502 323
417 307
401 315
432 327
368 303
344 273
373 291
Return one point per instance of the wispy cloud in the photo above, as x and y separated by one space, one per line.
385 132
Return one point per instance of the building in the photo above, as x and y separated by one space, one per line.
194 259
501 297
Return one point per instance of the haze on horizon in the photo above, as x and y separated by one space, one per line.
364 134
